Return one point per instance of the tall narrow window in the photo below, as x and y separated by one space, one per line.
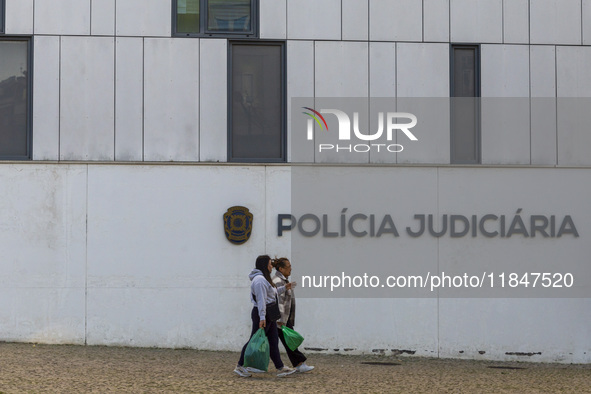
257 102
231 18
15 81
465 104
1 16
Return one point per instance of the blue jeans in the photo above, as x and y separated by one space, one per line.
272 336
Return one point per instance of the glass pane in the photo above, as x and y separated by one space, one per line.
465 118
229 15
257 103
187 16
13 98
464 72
465 126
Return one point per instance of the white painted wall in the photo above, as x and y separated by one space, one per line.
135 255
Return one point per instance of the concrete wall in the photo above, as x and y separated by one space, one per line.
135 255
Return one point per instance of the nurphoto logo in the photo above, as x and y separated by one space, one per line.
392 124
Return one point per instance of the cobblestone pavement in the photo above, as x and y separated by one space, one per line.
79 369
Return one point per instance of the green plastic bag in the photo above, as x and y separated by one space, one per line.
292 338
257 351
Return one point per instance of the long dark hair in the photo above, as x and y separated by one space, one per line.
262 264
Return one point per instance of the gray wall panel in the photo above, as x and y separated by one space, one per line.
555 21
151 18
87 98
300 83
586 22
19 17
273 19
68 17
396 20
314 20
436 20
171 99
102 20
543 104
516 21
422 71
505 105
46 95
213 119
355 19
478 21
573 114
129 86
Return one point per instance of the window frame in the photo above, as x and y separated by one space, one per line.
283 105
477 88
29 102
203 15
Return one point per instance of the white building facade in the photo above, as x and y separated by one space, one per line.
129 127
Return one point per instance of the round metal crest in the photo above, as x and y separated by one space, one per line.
238 224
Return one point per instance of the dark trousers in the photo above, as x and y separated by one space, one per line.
295 356
272 336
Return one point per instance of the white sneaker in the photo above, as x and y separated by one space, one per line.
303 367
285 371
242 372
254 370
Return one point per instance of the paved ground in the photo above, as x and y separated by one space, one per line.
78 369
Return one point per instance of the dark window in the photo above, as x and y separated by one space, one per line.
1 16
465 104
231 18
15 82
256 102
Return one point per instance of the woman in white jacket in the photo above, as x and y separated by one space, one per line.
287 309
262 293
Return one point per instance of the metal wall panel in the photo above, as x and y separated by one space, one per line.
543 104
574 117
66 17
505 104
586 21
476 21
171 99
355 19
129 100
555 21
102 21
149 18
422 71
436 20
46 94
300 83
19 17
396 20
87 98
213 119
314 20
341 70
382 83
516 21
273 19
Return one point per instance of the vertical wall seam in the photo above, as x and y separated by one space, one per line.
143 98
114 99
556 99
86 265
59 100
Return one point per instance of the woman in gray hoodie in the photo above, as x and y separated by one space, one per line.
263 292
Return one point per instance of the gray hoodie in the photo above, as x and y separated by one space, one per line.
264 292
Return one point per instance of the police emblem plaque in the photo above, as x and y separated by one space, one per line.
238 224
